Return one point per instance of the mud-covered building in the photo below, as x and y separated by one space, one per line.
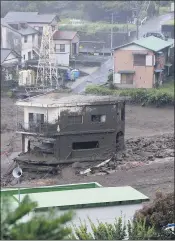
59 127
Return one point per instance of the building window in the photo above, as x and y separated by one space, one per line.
98 118
127 79
85 145
29 55
24 56
75 119
25 39
139 60
60 48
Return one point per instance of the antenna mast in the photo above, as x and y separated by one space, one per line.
47 75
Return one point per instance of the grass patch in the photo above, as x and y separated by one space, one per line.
93 27
159 97
169 22
164 10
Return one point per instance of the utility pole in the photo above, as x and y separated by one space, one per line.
112 22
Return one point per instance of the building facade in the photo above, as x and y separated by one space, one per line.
66 46
72 127
142 63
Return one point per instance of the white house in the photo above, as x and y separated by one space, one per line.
10 37
66 46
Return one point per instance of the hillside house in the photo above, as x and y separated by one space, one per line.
10 37
66 46
10 61
72 127
142 63
34 19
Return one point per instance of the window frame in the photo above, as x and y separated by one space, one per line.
74 117
138 62
100 119
25 39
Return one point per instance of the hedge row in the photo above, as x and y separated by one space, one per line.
157 97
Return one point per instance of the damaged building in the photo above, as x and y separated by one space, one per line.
66 128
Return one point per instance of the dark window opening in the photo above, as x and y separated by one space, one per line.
85 145
25 39
119 136
139 60
75 119
62 47
127 79
98 118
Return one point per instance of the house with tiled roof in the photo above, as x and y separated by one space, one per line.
34 19
66 46
143 63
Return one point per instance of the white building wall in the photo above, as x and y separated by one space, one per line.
62 58
4 43
32 41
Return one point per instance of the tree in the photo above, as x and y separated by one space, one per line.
15 226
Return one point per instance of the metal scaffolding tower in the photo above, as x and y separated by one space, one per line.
47 74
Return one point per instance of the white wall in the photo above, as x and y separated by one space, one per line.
32 41
14 42
105 214
62 58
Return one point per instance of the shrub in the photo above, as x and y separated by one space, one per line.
159 213
158 97
136 230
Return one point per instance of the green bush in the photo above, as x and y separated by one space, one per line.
159 213
158 97
136 230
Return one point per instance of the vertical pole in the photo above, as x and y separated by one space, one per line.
112 20
137 23
19 192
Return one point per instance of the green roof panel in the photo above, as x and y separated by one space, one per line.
153 43
104 196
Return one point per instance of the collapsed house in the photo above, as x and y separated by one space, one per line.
66 128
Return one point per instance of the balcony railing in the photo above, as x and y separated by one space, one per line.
38 128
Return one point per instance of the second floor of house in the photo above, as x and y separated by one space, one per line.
95 118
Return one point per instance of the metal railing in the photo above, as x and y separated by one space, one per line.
39 128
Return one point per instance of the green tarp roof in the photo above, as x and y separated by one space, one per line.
104 196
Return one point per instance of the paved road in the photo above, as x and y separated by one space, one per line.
100 75
154 24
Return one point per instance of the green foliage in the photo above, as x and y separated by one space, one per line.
159 97
136 230
159 213
94 27
42 227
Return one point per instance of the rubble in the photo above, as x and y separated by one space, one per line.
138 152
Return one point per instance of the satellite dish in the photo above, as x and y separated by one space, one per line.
17 172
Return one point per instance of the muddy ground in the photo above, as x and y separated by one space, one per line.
147 163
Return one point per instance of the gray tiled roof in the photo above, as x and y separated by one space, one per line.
27 31
30 17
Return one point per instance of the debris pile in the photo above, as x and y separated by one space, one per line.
138 152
